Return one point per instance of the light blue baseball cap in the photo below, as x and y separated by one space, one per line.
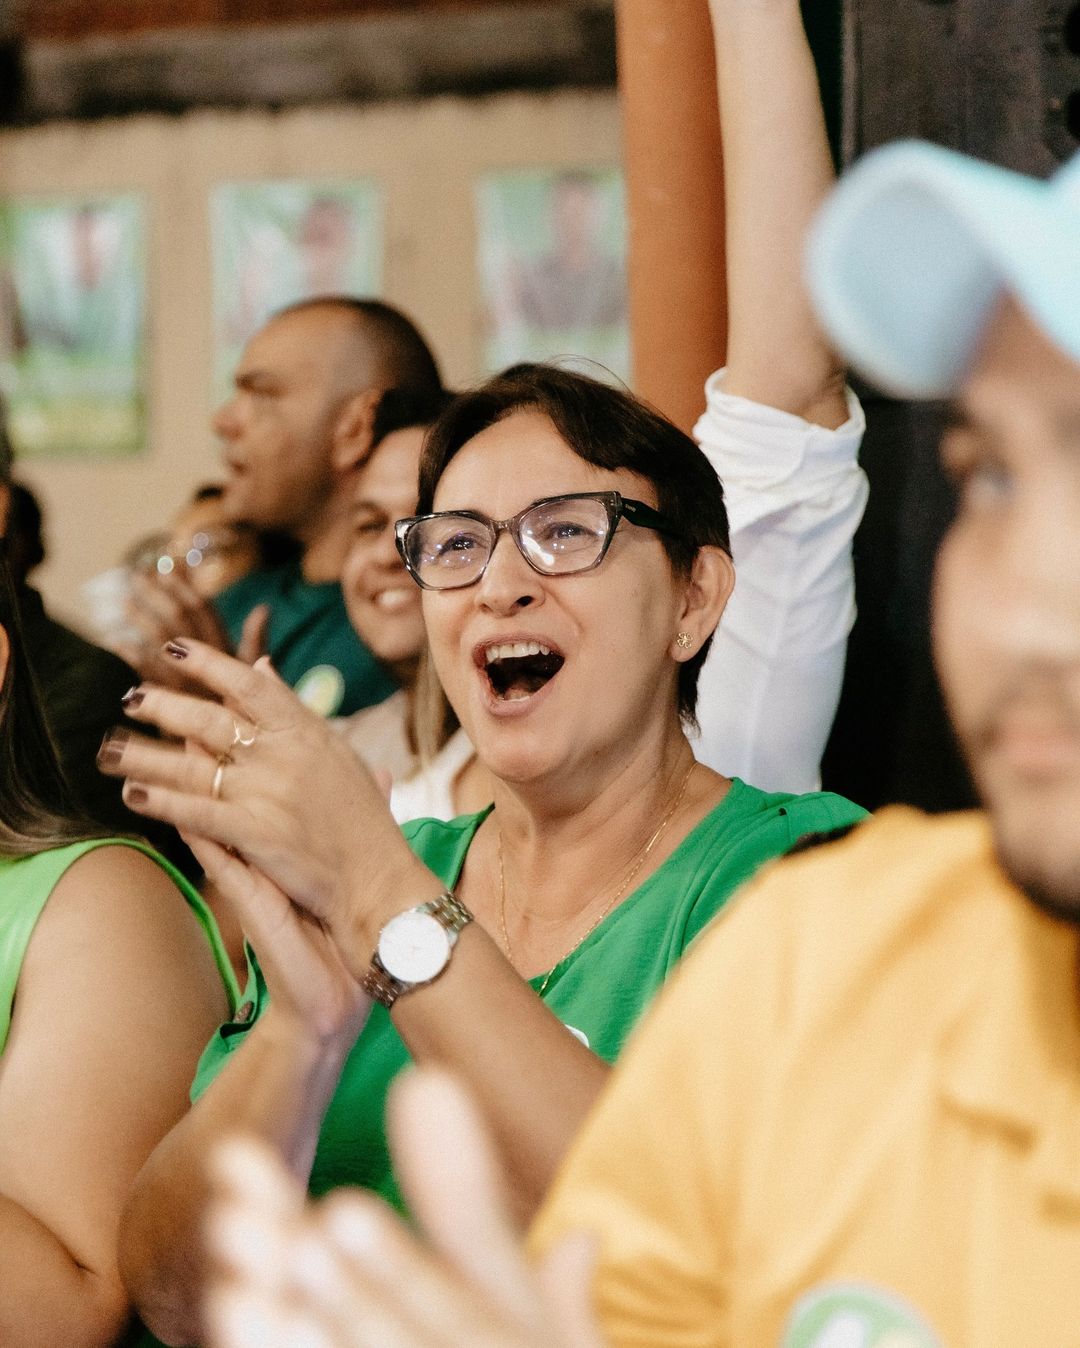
912 251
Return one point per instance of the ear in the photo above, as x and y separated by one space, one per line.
5 653
354 429
5 508
708 590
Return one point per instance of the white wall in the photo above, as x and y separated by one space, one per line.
426 155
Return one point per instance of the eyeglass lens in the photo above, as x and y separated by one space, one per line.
556 537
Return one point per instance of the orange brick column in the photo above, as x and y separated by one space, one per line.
671 133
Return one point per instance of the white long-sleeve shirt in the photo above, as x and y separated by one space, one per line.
795 495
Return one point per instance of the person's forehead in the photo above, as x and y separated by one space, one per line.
1018 370
523 458
394 467
309 340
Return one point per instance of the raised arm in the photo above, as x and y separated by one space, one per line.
777 170
779 426
116 997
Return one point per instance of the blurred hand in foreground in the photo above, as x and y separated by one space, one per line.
162 608
347 1272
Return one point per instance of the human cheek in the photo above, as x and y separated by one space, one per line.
643 617
262 426
352 573
964 613
443 620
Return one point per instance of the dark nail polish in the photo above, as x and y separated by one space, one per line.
112 748
132 698
176 649
135 795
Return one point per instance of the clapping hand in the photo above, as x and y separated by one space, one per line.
348 1273
308 981
164 607
262 775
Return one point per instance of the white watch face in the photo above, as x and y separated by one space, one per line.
414 947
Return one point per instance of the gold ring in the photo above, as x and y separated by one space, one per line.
219 776
238 738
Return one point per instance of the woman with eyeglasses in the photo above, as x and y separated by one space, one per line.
108 989
767 691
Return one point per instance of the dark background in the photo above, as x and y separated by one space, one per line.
995 78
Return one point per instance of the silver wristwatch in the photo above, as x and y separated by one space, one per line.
415 947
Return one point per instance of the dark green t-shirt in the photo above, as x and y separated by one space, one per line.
600 989
311 642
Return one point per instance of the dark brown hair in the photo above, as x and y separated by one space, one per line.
36 810
404 409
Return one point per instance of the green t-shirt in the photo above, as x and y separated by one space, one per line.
310 641
25 886
600 989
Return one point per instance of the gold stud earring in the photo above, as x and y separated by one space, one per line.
684 641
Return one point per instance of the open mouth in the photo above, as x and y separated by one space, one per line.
518 669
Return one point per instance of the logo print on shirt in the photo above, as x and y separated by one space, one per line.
856 1315
322 689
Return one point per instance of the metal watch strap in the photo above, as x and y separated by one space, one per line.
450 911
380 984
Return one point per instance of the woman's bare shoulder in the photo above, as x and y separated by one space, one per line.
119 907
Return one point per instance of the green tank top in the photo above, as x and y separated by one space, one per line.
25 886
599 990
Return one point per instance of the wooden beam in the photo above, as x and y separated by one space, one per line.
474 51
53 20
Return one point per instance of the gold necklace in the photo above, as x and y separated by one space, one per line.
624 885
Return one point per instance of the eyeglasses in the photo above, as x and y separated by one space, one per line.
559 536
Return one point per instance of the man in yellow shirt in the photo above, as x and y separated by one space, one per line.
853 1119
856 1118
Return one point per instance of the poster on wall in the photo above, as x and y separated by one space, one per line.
552 261
73 325
278 242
